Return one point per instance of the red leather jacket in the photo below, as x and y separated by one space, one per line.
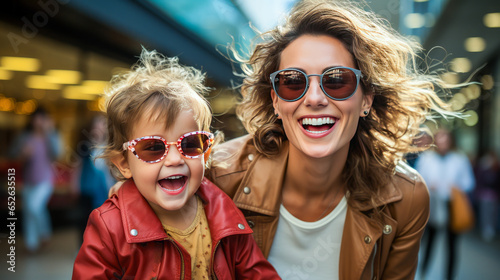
124 239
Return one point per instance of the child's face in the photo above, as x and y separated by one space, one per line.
170 183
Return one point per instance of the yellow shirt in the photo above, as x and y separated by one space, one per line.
197 241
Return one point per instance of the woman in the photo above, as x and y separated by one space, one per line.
331 102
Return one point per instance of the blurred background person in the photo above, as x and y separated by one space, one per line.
36 148
487 193
94 176
442 169
423 140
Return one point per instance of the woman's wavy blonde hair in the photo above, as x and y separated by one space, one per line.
404 97
159 88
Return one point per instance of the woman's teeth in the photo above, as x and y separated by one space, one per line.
317 121
317 125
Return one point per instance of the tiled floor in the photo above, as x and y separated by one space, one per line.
478 260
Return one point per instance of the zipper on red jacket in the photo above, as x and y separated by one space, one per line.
214 276
180 253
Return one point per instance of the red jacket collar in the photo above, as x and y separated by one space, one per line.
141 224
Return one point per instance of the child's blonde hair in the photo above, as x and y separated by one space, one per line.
159 88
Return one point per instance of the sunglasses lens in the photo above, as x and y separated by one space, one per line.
195 145
150 149
290 84
339 83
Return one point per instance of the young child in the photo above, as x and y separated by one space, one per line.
167 221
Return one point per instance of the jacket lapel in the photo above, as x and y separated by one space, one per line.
358 241
139 220
223 216
363 234
260 188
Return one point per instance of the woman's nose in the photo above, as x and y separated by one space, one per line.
314 95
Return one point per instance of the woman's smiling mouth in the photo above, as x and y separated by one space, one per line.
317 125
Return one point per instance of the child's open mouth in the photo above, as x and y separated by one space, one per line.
173 184
317 125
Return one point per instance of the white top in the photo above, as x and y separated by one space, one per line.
308 250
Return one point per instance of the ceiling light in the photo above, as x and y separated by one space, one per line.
461 65
487 82
94 86
7 104
5 74
97 105
79 96
40 82
77 92
458 101
471 92
27 107
63 76
414 20
475 91
475 44
492 20
471 118
450 78
26 64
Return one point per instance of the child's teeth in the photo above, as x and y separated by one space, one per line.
173 177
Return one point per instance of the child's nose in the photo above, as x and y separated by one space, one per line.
174 157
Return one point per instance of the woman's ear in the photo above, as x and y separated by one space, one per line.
366 105
275 99
121 163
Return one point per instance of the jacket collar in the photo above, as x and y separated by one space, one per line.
141 224
266 183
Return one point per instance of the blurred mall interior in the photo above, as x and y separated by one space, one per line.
60 55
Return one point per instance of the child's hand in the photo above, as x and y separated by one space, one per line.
114 189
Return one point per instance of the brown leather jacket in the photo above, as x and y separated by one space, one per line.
369 250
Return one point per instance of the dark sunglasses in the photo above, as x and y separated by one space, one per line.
338 83
153 149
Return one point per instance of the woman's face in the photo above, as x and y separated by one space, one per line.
316 124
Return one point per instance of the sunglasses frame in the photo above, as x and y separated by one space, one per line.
356 72
130 145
